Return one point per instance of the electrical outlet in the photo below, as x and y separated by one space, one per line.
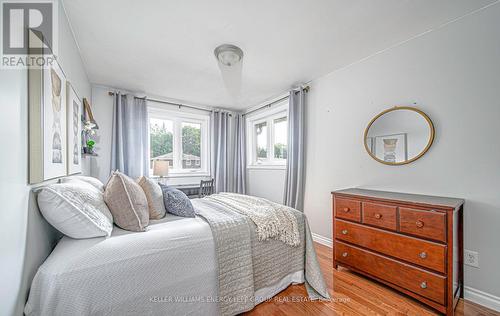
471 258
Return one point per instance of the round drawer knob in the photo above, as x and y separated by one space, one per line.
346 209
378 216
344 254
344 232
423 255
419 224
423 285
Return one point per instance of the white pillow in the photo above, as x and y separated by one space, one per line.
76 209
90 180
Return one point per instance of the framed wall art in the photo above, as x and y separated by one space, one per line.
47 123
74 131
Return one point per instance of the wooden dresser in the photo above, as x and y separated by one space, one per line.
413 243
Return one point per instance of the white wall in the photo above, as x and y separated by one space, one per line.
266 183
17 209
102 108
452 74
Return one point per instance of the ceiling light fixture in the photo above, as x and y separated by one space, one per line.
228 55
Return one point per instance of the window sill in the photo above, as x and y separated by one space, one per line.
183 175
267 167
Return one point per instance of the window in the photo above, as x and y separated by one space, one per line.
161 135
181 139
268 139
261 141
191 145
280 138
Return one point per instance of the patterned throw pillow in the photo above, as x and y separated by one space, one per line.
127 202
176 202
76 209
154 196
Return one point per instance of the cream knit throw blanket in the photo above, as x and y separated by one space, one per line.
273 220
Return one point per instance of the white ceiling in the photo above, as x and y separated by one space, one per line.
165 48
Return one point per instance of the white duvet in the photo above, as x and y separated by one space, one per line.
168 270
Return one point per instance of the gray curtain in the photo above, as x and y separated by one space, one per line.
228 152
129 145
295 164
239 144
220 153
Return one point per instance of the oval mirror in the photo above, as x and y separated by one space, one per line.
399 135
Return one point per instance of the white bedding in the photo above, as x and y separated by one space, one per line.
168 270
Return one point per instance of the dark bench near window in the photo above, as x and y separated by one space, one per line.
197 190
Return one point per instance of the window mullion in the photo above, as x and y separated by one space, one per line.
204 144
177 145
270 139
255 144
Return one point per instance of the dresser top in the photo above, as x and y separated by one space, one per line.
405 197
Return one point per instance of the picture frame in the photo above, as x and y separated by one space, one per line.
74 131
391 148
47 99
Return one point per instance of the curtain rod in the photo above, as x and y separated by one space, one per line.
167 102
268 105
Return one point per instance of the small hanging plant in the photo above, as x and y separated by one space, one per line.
90 145
88 132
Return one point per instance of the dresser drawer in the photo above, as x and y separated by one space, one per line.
428 224
348 209
380 215
424 253
429 285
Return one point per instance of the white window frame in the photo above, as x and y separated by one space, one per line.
178 118
278 111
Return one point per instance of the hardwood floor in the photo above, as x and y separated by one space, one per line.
352 294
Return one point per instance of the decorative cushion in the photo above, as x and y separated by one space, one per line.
154 196
90 180
127 202
176 202
76 209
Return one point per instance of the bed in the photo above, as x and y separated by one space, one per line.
174 268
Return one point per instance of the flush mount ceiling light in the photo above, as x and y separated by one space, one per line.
228 55
230 62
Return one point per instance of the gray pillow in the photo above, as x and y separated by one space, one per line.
176 202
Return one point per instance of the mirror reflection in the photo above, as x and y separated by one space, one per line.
399 135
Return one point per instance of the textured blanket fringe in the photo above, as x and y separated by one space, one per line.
273 220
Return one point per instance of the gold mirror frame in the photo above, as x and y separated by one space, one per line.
429 143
